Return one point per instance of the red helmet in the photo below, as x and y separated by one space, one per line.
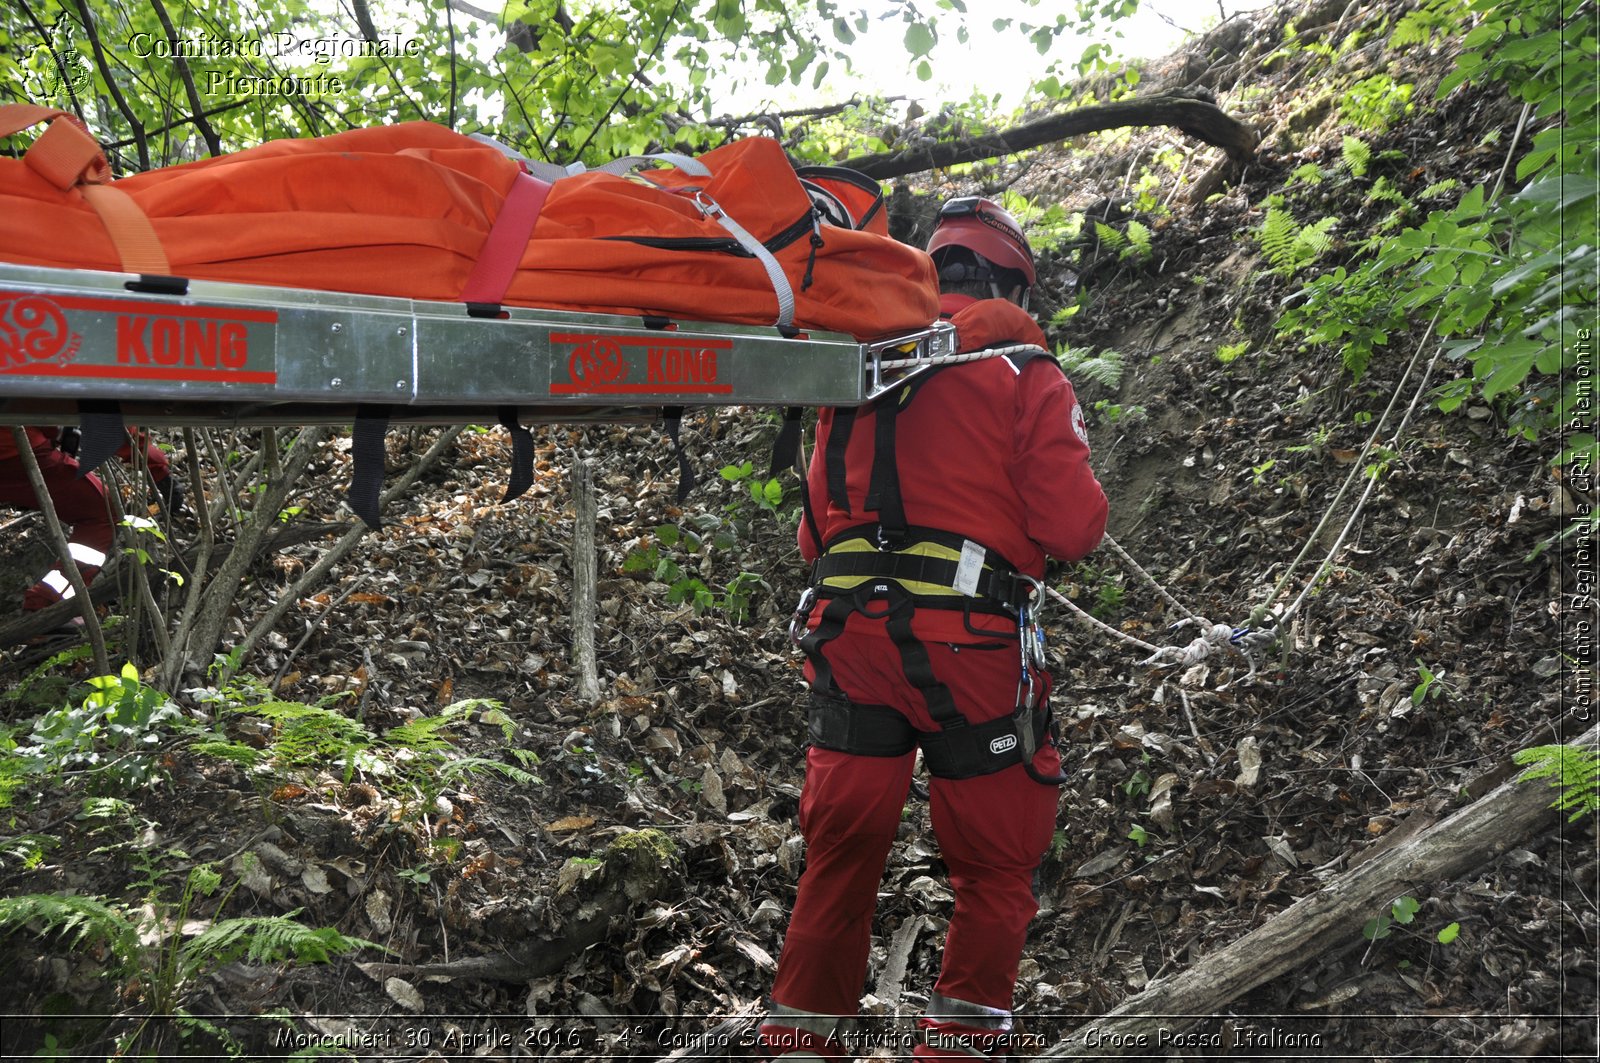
983 227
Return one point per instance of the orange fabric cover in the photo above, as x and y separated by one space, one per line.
403 211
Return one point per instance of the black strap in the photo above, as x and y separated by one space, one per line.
103 433
829 627
810 517
672 419
918 666
521 454
996 586
864 730
883 489
786 448
844 422
367 457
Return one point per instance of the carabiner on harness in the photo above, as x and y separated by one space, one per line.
802 614
1029 630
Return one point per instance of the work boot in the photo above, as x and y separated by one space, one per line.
791 1044
953 1040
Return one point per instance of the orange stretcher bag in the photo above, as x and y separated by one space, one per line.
418 211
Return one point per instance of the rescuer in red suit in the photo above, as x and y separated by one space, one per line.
79 500
991 459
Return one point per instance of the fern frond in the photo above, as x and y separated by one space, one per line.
311 734
1138 239
1276 237
76 918
1103 367
1384 191
266 939
420 735
1110 237
1574 769
1356 155
1313 240
1309 173
474 765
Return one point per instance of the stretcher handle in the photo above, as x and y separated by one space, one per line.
67 156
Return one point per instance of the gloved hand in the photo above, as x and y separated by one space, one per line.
995 323
67 440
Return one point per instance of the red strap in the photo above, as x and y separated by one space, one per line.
502 250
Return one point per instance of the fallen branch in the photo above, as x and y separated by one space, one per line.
1197 117
1469 838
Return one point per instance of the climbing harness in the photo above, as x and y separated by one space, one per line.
888 570
931 569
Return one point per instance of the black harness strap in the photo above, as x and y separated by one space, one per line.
844 423
864 730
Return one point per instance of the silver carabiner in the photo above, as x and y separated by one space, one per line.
1030 631
802 613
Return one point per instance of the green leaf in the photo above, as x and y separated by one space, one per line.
1405 910
1449 933
920 39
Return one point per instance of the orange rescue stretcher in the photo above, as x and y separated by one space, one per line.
408 273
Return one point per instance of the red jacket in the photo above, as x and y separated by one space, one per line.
41 439
985 452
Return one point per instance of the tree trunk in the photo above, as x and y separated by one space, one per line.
1478 833
1197 117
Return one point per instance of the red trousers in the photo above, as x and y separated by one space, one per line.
992 831
79 501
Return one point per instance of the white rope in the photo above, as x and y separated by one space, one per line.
969 356
1128 560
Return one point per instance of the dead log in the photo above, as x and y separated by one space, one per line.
1478 833
1193 115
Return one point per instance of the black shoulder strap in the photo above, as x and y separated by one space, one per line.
883 488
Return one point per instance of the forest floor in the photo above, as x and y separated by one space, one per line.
635 895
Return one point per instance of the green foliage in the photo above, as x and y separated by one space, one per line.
1497 275
152 957
419 757
1230 352
666 560
1427 23
266 939
1289 246
1429 684
1377 103
1133 241
44 686
1103 367
80 921
1575 769
109 742
1356 155
1402 912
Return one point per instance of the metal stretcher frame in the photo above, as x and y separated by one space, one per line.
169 351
